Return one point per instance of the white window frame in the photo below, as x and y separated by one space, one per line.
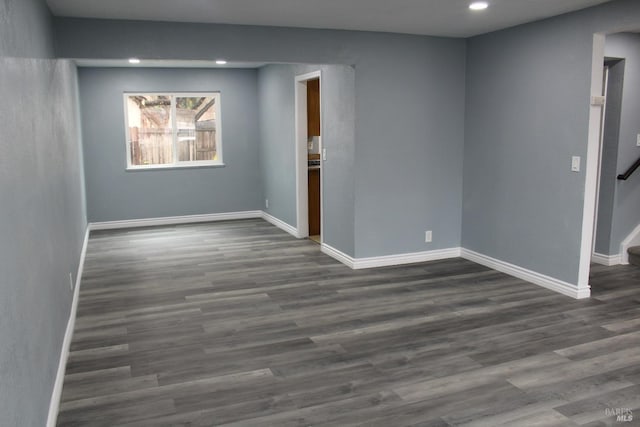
175 164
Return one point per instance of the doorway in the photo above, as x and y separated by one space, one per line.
309 156
605 219
608 161
600 175
591 167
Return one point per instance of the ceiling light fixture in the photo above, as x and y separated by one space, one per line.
134 61
479 5
221 62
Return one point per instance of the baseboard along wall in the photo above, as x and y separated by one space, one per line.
531 276
56 395
607 260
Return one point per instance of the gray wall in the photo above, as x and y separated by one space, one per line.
42 218
113 193
277 129
609 157
626 205
277 140
409 146
409 110
338 138
527 113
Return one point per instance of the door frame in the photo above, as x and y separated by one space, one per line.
302 179
591 167
603 111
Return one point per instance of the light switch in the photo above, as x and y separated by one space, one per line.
575 164
638 140
324 154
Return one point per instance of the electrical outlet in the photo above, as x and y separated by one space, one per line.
428 236
266 203
70 281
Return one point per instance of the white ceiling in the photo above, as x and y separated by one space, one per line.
450 18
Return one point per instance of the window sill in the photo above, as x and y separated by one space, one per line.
173 167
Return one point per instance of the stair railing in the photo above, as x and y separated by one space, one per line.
629 171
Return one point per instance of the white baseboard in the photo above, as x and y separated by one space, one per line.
54 403
607 260
172 220
334 253
410 258
389 260
633 239
548 282
280 224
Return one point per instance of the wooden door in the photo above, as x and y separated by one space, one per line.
314 202
313 108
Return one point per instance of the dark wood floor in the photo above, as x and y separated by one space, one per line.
238 323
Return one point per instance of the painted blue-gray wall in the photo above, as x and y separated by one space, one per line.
609 156
626 207
527 111
113 193
277 140
409 145
338 138
409 112
277 130
42 218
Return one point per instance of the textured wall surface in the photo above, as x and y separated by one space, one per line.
527 113
409 146
113 193
42 217
277 140
338 137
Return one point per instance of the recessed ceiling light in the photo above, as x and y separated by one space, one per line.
134 61
479 5
221 62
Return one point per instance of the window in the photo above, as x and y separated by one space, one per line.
172 130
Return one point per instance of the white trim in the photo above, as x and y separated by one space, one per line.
321 149
548 282
181 165
280 224
633 239
388 260
54 404
174 130
171 220
607 260
302 179
603 112
410 258
337 255
591 166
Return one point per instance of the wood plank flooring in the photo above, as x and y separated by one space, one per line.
237 323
